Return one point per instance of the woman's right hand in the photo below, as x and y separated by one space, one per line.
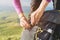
24 22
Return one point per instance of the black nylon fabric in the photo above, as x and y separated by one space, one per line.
52 16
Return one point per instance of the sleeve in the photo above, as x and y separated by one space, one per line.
17 6
48 0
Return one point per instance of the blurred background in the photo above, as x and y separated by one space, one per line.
9 21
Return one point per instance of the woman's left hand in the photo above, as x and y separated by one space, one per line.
34 18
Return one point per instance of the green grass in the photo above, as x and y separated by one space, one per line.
9 26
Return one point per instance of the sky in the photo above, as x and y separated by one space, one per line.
9 2
6 3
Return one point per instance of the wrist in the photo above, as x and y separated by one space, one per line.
21 15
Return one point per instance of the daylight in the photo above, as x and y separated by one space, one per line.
10 28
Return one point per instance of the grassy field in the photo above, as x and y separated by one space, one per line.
9 26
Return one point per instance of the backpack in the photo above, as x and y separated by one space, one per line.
50 17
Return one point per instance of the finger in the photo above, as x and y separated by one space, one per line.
25 24
21 24
38 18
23 20
33 19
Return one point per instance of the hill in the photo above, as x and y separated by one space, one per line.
9 26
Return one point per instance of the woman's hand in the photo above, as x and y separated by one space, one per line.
34 18
24 23
36 15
